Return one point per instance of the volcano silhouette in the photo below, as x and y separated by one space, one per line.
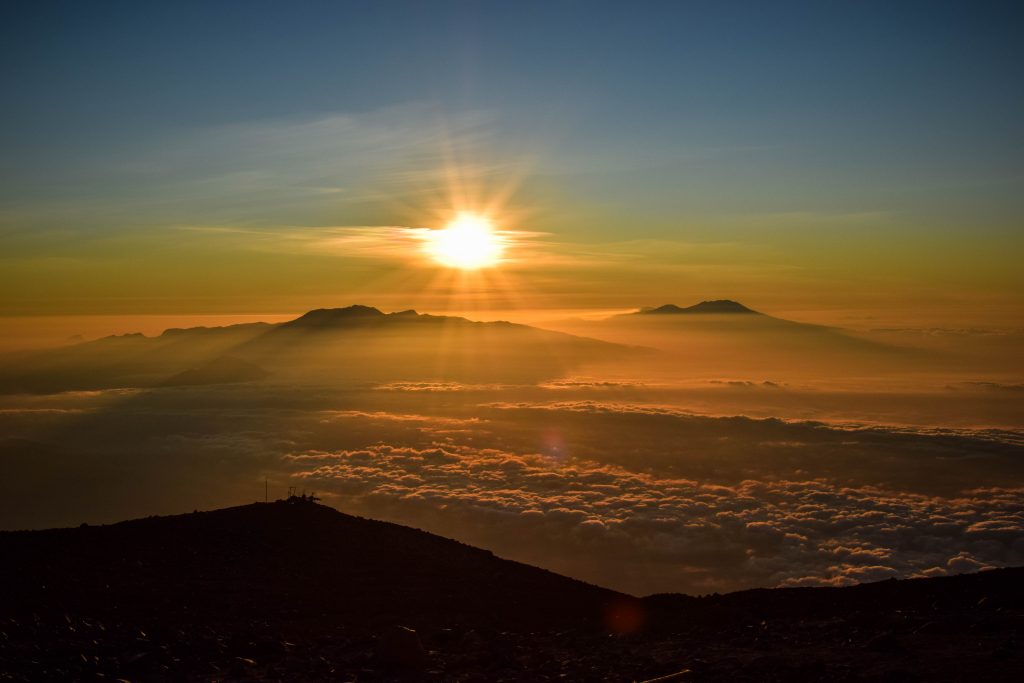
351 344
709 307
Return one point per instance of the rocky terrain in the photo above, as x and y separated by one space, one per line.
295 591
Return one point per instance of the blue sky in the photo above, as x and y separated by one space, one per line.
701 122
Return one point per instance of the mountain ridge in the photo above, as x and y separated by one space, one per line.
357 343
291 590
711 307
293 546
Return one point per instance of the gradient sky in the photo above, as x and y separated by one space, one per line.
257 157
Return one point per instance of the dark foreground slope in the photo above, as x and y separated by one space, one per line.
297 592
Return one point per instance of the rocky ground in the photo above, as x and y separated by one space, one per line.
299 592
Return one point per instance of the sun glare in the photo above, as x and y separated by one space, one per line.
468 242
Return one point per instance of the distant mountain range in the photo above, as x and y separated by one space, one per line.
723 337
356 343
363 344
704 307
297 591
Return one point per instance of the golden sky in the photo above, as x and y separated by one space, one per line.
827 166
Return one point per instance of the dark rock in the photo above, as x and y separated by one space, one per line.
886 643
303 593
399 650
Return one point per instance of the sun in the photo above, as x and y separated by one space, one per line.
468 242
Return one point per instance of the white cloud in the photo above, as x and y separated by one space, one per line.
639 531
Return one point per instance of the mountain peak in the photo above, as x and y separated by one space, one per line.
715 306
327 317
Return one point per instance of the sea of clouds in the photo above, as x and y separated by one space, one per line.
636 497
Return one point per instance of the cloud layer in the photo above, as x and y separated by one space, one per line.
636 497
645 533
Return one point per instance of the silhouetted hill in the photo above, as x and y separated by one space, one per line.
355 344
333 317
361 317
300 592
366 319
129 360
224 370
362 343
265 559
241 329
725 338
709 307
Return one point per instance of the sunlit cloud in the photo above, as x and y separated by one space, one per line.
639 497
702 536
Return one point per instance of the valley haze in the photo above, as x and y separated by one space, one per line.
673 449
